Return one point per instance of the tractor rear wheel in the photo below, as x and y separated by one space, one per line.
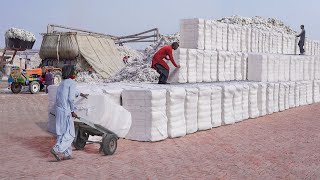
34 87
16 87
57 77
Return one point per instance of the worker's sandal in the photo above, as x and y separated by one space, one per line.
56 155
67 157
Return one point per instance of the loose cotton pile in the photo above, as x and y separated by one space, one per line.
21 34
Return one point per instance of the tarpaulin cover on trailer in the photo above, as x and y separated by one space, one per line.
101 54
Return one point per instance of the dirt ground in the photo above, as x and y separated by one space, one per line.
284 145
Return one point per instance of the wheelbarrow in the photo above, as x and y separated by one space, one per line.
84 128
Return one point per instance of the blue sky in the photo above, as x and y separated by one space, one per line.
124 17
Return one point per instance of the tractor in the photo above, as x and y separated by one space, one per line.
34 78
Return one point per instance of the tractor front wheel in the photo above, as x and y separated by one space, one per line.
16 87
34 87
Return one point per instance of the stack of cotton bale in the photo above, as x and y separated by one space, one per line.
192 33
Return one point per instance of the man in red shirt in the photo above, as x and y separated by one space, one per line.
160 65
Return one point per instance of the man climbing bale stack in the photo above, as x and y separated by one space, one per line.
160 65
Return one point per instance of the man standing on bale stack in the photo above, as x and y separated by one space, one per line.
160 65
302 36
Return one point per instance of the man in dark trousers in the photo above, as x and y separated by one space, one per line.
48 79
160 65
302 36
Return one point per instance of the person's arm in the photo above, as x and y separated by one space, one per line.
171 58
72 96
299 34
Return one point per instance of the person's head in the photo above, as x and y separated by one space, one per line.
175 45
68 71
302 26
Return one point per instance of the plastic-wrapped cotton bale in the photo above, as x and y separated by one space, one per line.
297 94
270 68
316 68
309 92
113 94
254 40
99 109
292 87
175 112
244 65
316 91
148 111
282 92
286 67
232 56
238 38
216 102
257 67
214 35
191 109
245 101
270 96
192 33
244 37
224 36
262 99
292 70
299 68
204 108
207 66
192 65
306 66
214 66
207 34
237 103
286 95
282 68
200 56
228 104
179 74
260 41
253 100
303 93
276 67
276 97
227 67
279 37
237 66
266 42
311 67
222 56
231 37
219 36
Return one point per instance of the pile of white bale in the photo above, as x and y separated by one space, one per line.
228 74
214 35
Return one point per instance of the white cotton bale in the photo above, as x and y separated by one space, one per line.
214 35
292 86
148 111
244 66
227 104
207 35
297 94
270 98
216 109
309 92
207 66
237 67
271 68
192 65
282 92
175 112
237 103
253 100
222 56
316 91
276 97
257 67
214 66
204 108
292 68
286 95
199 65
232 57
245 101
262 99
191 109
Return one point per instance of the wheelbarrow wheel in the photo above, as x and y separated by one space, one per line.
109 144
80 143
